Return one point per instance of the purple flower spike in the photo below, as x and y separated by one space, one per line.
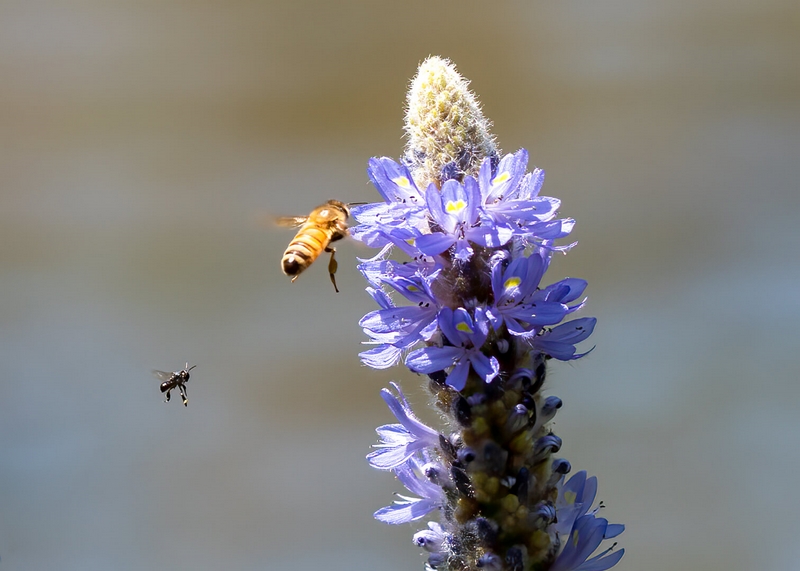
465 240
400 441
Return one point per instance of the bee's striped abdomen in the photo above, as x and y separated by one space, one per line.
306 247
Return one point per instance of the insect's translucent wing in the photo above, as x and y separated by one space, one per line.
290 221
162 376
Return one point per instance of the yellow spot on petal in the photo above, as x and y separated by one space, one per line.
413 288
455 207
402 182
464 328
512 282
575 538
570 497
501 178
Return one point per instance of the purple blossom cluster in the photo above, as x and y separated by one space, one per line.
467 307
500 212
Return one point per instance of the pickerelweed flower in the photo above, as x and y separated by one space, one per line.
467 304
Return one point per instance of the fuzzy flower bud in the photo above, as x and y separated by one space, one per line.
448 136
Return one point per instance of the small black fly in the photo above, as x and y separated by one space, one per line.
177 380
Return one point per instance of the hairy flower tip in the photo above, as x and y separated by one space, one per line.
448 136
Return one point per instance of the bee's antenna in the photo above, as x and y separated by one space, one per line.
188 368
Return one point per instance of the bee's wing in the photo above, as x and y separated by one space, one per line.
290 221
162 376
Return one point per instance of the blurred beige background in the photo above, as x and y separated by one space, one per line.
141 146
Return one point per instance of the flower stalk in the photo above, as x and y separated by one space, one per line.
467 304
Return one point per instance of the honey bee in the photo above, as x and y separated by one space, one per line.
327 223
177 380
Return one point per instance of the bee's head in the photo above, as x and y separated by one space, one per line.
340 206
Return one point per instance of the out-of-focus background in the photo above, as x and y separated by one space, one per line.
142 146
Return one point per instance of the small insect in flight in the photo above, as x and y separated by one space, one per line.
174 380
327 223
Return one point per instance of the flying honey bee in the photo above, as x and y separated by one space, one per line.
327 223
174 380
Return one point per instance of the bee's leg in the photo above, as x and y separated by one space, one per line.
167 399
183 395
332 266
